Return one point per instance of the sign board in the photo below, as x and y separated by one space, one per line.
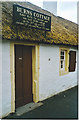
31 18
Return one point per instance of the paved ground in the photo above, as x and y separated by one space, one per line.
63 105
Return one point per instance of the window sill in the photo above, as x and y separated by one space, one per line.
61 73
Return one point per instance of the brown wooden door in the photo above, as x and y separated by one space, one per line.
23 75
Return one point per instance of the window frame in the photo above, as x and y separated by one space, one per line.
65 70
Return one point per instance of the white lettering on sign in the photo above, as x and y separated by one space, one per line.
38 15
46 18
19 9
21 14
28 17
28 12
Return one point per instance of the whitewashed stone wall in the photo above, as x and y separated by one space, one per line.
0 60
0 77
50 83
6 80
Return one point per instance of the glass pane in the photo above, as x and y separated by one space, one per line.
62 57
62 52
61 66
61 62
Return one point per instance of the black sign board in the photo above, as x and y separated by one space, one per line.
31 18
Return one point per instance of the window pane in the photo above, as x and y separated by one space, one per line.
61 62
61 66
62 57
62 52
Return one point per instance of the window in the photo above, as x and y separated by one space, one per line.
67 61
64 61
62 57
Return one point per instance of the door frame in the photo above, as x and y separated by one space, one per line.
35 71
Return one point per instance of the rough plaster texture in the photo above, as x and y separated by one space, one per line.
6 80
50 83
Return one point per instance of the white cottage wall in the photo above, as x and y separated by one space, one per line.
6 80
0 60
0 78
50 83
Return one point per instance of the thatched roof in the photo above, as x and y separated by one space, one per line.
62 30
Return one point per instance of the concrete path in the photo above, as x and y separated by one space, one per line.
26 108
63 105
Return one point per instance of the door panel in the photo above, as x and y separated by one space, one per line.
23 75
18 75
27 73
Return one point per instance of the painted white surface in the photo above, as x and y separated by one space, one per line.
0 60
50 83
6 80
0 77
